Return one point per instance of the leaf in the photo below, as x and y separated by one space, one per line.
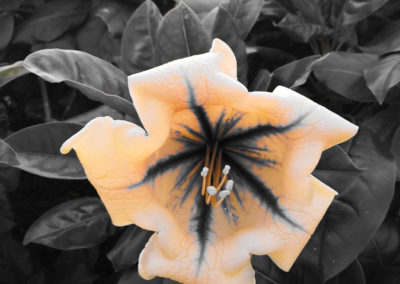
244 14
7 29
272 8
357 10
36 149
342 72
94 38
261 81
131 276
382 76
9 5
385 41
384 124
353 273
126 251
180 35
299 30
66 41
75 224
15 260
115 14
337 169
310 11
139 37
355 214
293 74
94 77
12 72
395 147
224 29
51 20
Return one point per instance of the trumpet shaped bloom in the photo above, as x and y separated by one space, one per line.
219 173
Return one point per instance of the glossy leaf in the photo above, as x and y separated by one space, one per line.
36 149
353 273
7 5
12 72
51 20
272 8
180 34
299 30
96 78
386 40
126 251
293 74
94 38
310 10
356 213
244 14
224 29
357 10
337 169
131 276
384 124
261 81
382 76
395 147
75 224
115 14
139 39
342 72
7 29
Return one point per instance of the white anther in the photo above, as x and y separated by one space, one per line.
226 169
229 185
223 193
204 172
211 190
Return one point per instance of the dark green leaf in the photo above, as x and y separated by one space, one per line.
11 72
131 276
36 149
384 124
94 38
15 260
261 81
336 169
7 29
357 10
309 10
356 213
94 77
353 274
382 76
138 40
342 72
181 34
115 14
224 29
244 14
7 5
51 20
395 147
126 251
293 74
75 224
299 30
66 41
384 245
272 8
386 40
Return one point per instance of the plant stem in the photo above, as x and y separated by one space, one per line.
45 100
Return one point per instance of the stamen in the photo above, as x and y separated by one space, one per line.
229 185
211 192
226 169
222 195
204 173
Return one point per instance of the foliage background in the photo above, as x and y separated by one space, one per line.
65 62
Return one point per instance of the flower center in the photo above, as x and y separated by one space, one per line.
214 179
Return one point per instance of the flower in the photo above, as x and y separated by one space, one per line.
219 173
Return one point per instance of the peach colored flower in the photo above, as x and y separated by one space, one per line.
219 173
